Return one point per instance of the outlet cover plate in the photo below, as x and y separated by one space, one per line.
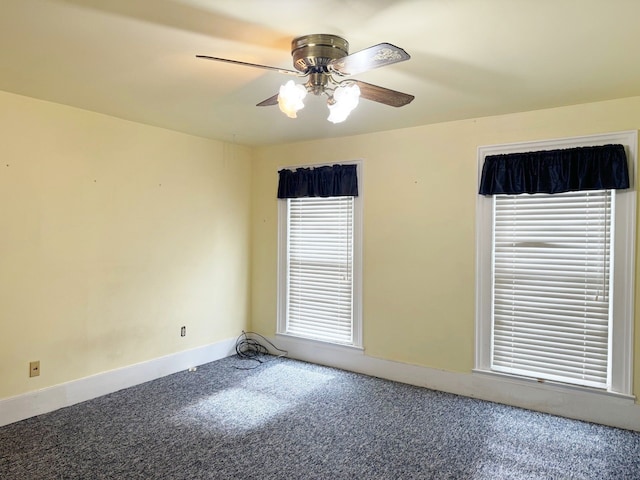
34 368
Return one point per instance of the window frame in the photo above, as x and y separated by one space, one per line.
282 279
621 338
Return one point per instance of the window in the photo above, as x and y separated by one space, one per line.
319 268
555 280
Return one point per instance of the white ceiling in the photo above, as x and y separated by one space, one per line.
135 59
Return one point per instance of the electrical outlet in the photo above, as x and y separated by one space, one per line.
34 368
183 332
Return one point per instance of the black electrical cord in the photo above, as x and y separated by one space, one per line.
248 348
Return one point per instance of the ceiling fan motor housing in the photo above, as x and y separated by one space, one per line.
311 53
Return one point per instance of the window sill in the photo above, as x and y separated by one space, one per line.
550 386
290 340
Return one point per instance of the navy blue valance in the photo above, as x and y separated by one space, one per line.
328 181
600 167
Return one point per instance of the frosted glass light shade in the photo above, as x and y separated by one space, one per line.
345 100
290 98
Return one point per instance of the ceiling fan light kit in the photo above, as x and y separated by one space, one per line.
324 59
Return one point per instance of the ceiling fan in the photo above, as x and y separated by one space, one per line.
325 60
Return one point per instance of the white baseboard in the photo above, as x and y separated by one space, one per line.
614 410
30 404
581 404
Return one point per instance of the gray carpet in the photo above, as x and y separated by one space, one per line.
293 420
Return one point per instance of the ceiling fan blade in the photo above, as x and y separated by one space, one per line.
246 64
383 95
269 101
368 59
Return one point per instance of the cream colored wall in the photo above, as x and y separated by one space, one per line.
112 236
419 189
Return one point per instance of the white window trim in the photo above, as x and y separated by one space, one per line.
624 272
357 261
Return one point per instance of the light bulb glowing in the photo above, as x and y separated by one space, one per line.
345 99
290 98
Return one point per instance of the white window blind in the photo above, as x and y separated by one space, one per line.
551 286
320 268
